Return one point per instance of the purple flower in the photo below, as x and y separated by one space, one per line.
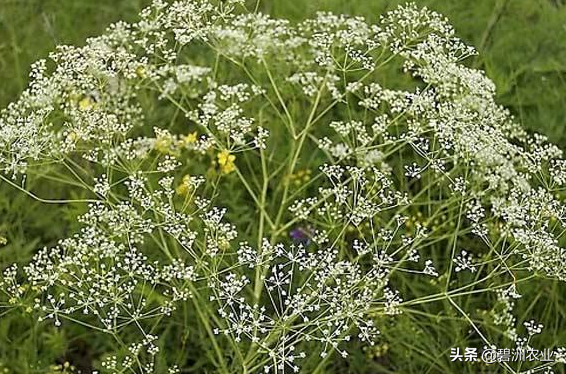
302 235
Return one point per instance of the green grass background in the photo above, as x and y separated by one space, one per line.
522 45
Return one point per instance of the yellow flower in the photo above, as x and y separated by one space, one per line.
72 137
191 138
226 162
223 244
86 103
140 72
184 188
163 144
3 241
65 368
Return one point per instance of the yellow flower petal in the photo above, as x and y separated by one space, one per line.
191 138
86 103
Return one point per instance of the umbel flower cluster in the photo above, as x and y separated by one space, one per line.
254 197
